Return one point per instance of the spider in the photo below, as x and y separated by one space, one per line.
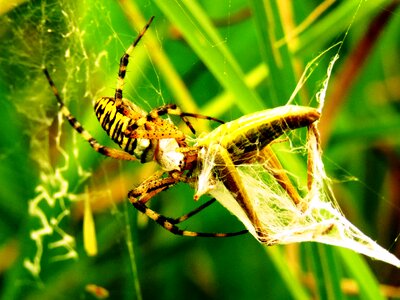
147 137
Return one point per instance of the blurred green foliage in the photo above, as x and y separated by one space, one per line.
218 50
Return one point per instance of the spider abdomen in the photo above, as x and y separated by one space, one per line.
117 125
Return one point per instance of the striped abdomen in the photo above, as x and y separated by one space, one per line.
116 126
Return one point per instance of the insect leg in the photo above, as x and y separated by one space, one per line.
274 166
228 174
313 138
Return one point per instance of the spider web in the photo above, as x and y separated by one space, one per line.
317 218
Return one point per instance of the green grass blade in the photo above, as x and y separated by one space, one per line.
293 284
335 22
204 39
359 270
325 270
281 81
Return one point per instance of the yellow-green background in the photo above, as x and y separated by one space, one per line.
81 42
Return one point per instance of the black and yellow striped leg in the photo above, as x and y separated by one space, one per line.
166 224
138 198
172 109
123 63
191 213
107 151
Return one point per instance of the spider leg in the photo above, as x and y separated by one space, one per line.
191 213
139 196
107 151
172 109
123 63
